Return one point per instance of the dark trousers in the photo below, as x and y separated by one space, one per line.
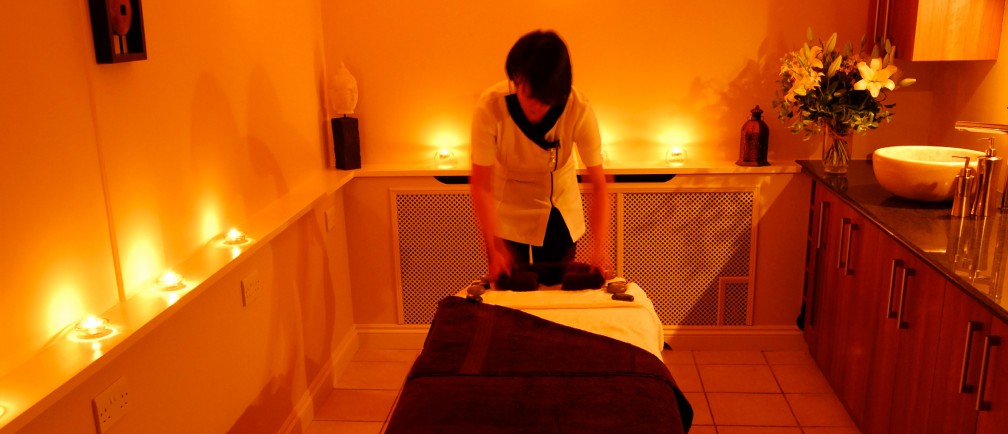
549 260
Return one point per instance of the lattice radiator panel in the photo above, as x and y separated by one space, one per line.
678 245
692 251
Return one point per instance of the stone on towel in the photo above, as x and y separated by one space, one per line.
582 276
518 280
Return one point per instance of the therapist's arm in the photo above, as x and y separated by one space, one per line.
599 218
499 259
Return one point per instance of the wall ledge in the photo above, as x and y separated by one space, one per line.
689 168
64 364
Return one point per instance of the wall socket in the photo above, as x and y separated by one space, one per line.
110 405
251 286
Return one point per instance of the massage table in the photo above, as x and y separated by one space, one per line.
546 361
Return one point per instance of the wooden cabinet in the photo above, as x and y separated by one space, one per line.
903 360
939 29
965 327
993 397
841 296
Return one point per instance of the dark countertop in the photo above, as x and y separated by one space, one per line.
968 251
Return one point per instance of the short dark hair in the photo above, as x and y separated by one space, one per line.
541 60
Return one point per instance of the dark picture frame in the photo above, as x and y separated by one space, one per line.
117 26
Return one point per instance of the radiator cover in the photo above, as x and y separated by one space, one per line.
692 250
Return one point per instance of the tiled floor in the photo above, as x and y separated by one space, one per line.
732 392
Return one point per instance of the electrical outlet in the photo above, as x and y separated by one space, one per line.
251 287
110 405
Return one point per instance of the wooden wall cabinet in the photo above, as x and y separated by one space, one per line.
939 29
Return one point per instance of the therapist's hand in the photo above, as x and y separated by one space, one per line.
499 261
600 259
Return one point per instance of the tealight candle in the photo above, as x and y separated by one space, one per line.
171 281
675 154
92 327
234 236
444 158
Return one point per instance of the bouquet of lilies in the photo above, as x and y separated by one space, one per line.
844 91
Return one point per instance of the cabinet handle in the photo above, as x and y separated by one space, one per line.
903 292
823 207
989 341
844 223
847 261
971 326
896 263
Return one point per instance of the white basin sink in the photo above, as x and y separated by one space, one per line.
924 173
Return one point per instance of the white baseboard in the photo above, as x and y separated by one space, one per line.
303 413
752 338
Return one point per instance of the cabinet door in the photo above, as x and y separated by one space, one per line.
993 397
819 272
939 29
918 314
965 325
857 318
841 292
904 354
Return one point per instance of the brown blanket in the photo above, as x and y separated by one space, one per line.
492 369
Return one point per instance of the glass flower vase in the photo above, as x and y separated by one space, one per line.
836 150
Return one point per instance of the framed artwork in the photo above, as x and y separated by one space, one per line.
117 26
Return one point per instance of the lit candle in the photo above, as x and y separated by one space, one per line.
92 327
675 154
444 158
171 281
234 236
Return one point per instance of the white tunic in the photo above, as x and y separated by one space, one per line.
528 180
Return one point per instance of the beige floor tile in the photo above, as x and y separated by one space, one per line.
701 411
738 378
357 405
726 429
750 409
729 357
381 355
801 379
709 429
374 375
831 430
797 357
336 427
686 377
677 357
819 409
